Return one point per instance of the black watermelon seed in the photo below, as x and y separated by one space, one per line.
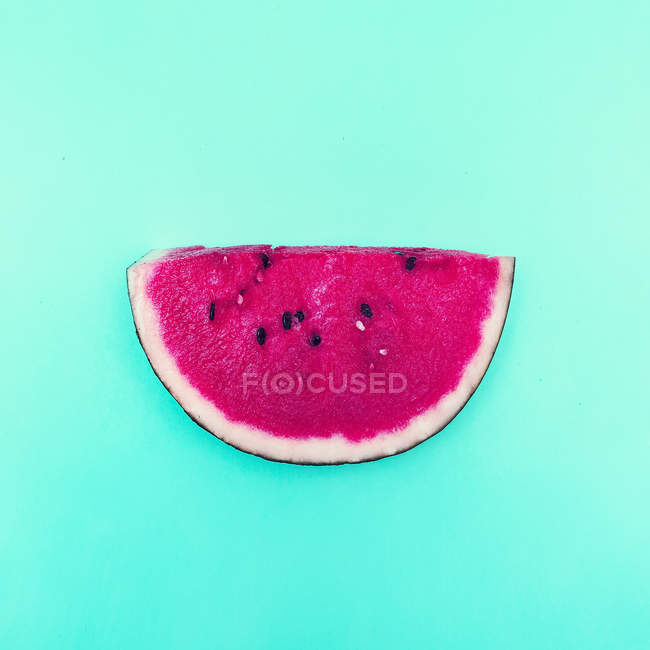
266 260
211 311
300 316
260 335
365 310
410 263
399 253
314 340
286 320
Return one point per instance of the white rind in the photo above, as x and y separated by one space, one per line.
335 449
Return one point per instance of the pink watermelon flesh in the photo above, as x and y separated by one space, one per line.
320 354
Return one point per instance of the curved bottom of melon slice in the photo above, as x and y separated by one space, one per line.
312 451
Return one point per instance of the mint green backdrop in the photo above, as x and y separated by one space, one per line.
511 128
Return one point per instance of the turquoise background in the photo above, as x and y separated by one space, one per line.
509 128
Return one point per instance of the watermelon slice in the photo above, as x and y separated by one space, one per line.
320 355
